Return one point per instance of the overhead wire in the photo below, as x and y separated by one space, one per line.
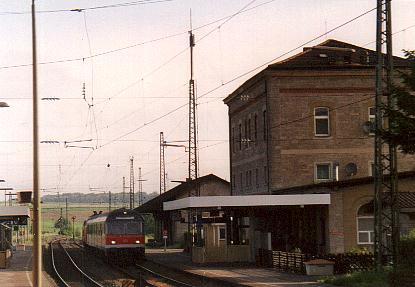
124 4
242 75
133 45
235 78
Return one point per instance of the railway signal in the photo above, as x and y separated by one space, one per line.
73 227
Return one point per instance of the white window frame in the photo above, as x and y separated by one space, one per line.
219 228
370 168
322 117
368 232
330 171
371 117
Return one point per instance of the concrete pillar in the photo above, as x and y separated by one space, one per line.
335 223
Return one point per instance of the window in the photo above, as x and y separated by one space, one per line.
371 112
242 184
249 131
222 233
321 122
264 124
255 128
246 134
256 177
246 179
365 224
250 177
240 136
322 171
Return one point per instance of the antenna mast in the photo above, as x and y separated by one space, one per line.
193 168
162 165
123 191
386 189
132 182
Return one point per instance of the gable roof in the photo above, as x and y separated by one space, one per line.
334 54
183 188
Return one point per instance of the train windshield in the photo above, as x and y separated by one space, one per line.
124 227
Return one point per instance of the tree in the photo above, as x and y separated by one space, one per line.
402 116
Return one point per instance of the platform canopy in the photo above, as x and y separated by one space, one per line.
14 215
247 201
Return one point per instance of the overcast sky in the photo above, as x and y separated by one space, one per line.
144 77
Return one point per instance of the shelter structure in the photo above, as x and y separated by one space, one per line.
11 216
174 222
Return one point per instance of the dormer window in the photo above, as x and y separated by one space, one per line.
321 122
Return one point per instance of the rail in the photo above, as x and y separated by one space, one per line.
89 278
54 266
168 279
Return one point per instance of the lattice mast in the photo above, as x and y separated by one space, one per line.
193 168
140 188
123 191
132 182
386 190
162 165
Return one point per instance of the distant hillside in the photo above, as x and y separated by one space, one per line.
116 198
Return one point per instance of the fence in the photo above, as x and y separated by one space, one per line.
294 262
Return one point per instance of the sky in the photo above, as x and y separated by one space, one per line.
134 62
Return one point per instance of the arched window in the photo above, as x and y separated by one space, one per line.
365 224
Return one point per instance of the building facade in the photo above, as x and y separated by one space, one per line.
307 121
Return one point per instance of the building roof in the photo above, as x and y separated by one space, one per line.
247 201
156 204
328 55
14 211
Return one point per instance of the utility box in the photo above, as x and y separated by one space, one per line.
24 197
320 267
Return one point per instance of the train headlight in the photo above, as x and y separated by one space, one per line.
137 241
113 242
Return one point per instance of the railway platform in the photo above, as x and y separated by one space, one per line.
229 275
19 274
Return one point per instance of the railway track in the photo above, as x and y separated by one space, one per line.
69 275
142 275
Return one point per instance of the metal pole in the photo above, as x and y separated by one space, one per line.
162 165
66 211
109 201
37 244
73 228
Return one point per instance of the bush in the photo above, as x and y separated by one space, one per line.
404 275
359 279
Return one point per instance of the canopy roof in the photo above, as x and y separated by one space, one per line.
247 201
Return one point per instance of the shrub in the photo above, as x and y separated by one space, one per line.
361 279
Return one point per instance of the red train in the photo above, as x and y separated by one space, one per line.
117 235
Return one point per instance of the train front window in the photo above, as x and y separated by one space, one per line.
133 228
116 228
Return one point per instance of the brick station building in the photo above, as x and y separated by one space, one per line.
303 126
